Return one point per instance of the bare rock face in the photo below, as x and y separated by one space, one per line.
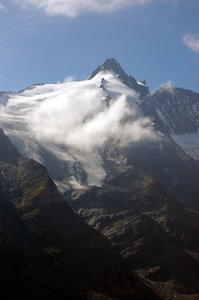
174 110
48 251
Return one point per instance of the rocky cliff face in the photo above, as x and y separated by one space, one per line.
48 251
174 110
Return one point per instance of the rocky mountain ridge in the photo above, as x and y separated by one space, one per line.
176 108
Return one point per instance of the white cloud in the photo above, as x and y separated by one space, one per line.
2 7
70 78
165 86
192 41
74 115
81 120
72 8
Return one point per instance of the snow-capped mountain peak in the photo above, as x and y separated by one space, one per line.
114 67
70 122
73 127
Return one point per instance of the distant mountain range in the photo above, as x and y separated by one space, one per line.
125 160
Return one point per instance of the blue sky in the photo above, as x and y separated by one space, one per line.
45 41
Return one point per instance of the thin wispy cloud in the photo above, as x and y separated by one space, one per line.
70 78
167 86
2 7
192 41
73 8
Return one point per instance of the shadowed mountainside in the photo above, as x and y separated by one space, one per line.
157 233
47 251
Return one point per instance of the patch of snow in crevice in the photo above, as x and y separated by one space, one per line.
141 83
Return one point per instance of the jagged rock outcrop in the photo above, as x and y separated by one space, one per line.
173 110
113 66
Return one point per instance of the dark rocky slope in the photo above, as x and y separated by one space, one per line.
157 233
47 251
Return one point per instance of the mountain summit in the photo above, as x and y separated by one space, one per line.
112 65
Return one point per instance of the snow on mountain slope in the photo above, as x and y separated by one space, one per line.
114 67
113 84
67 124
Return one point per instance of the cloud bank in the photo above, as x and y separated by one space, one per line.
73 8
74 121
81 119
192 41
